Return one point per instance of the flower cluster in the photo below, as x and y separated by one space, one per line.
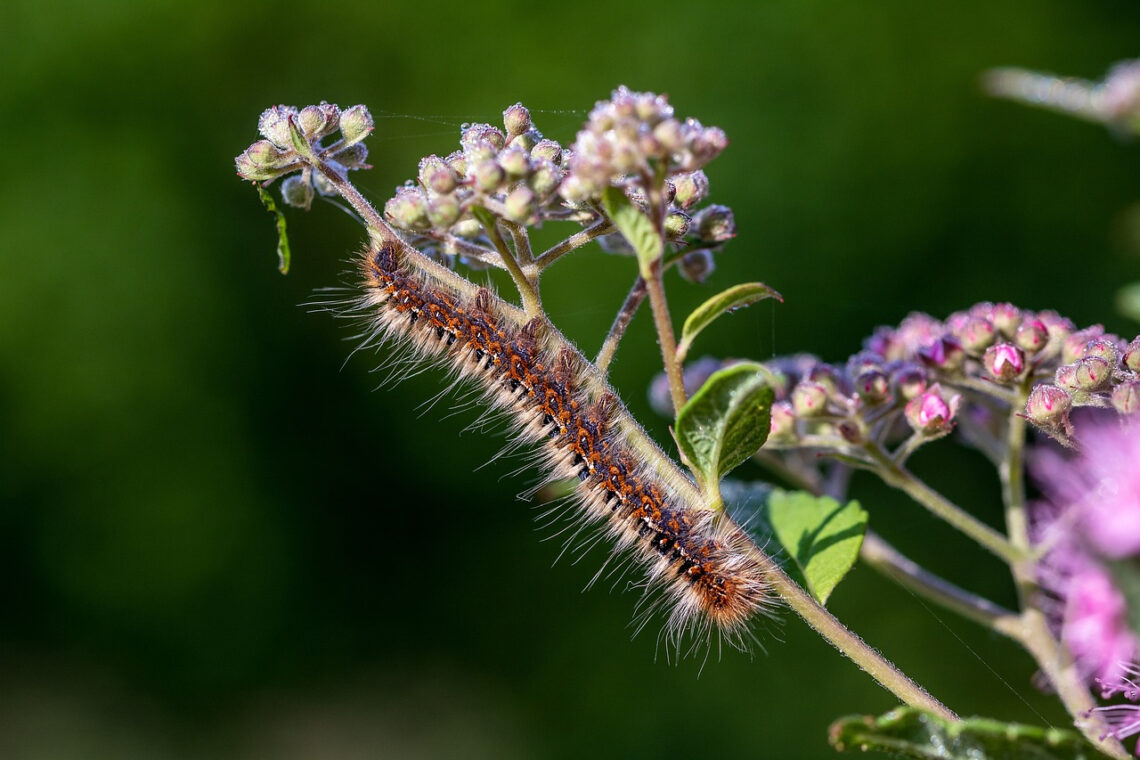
936 374
519 176
294 140
1089 531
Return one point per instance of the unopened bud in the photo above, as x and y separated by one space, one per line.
809 399
408 209
783 422
714 224
443 211
457 160
353 157
873 386
909 381
1073 347
545 179
669 135
696 266
1131 358
929 414
1048 405
520 204
677 225
526 141
1103 348
1066 377
515 162
1093 373
1126 397
488 175
312 121
1004 361
547 149
297 192
1006 318
689 188
707 145
274 126
355 124
976 334
944 354
1032 336
517 120
475 136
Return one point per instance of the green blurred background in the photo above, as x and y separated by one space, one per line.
216 542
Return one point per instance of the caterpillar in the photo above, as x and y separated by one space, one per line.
705 567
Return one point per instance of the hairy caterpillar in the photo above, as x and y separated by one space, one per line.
706 567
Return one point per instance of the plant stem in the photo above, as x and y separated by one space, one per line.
375 223
883 557
577 240
849 643
899 477
655 284
528 290
1053 658
624 316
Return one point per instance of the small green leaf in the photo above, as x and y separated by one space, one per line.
909 732
820 535
635 227
283 253
1128 301
725 302
1126 573
725 422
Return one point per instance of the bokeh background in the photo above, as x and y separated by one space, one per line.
218 542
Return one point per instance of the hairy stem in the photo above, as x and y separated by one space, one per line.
849 643
655 285
528 289
1055 661
575 241
880 555
378 229
624 316
898 476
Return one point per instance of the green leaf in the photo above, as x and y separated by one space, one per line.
725 422
635 227
283 253
909 732
1126 573
1128 301
820 535
725 302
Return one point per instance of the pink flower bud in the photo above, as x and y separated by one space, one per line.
1006 318
944 354
809 399
930 414
1032 336
873 386
909 381
1093 373
1126 397
1048 405
517 120
1066 377
783 426
1105 348
1004 361
1073 347
1131 357
976 334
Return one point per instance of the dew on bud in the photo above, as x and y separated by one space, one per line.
1073 347
1126 397
547 149
1032 336
976 334
517 120
407 209
1131 358
1006 318
274 126
1104 348
873 386
1092 373
783 422
1048 405
690 188
443 211
677 224
355 124
520 204
515 162
488 175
